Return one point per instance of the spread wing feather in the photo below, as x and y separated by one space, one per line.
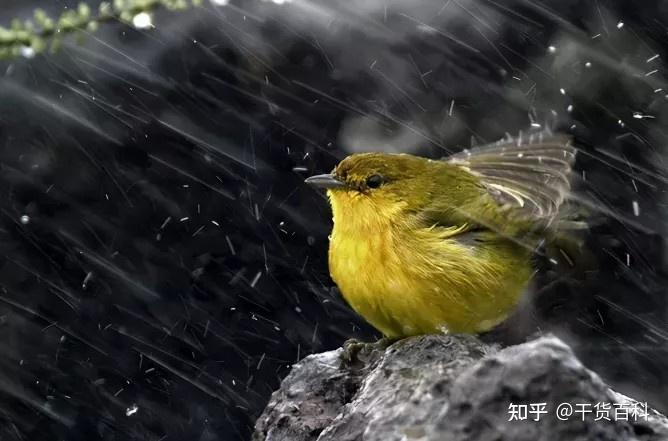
530 175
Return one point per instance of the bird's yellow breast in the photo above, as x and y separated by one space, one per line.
407 280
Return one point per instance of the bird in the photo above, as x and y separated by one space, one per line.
425 246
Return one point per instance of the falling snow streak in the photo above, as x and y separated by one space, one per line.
225 151
441 32
192 380
108 108
34 401
70 299
220 191
53 106
52 323
108 266
645 323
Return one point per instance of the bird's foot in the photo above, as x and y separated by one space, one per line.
353 347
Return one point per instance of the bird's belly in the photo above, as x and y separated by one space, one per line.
401 298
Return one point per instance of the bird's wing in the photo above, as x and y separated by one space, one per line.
530 174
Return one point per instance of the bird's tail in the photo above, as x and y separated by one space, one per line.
565 243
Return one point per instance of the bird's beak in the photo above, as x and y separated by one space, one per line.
325 181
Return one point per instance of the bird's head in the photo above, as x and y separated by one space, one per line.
377 186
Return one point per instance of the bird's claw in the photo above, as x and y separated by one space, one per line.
353 347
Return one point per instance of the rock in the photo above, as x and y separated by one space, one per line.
452 388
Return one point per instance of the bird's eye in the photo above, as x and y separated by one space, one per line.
374 181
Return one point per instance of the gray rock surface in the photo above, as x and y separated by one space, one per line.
450 388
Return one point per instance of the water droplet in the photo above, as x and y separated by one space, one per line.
84 284
27 52
142 20
131 410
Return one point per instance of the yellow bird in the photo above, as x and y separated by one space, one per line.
423 246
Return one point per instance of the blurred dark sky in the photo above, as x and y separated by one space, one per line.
162 264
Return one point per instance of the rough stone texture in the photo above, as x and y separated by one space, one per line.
447 388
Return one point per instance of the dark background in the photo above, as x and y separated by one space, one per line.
161 262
